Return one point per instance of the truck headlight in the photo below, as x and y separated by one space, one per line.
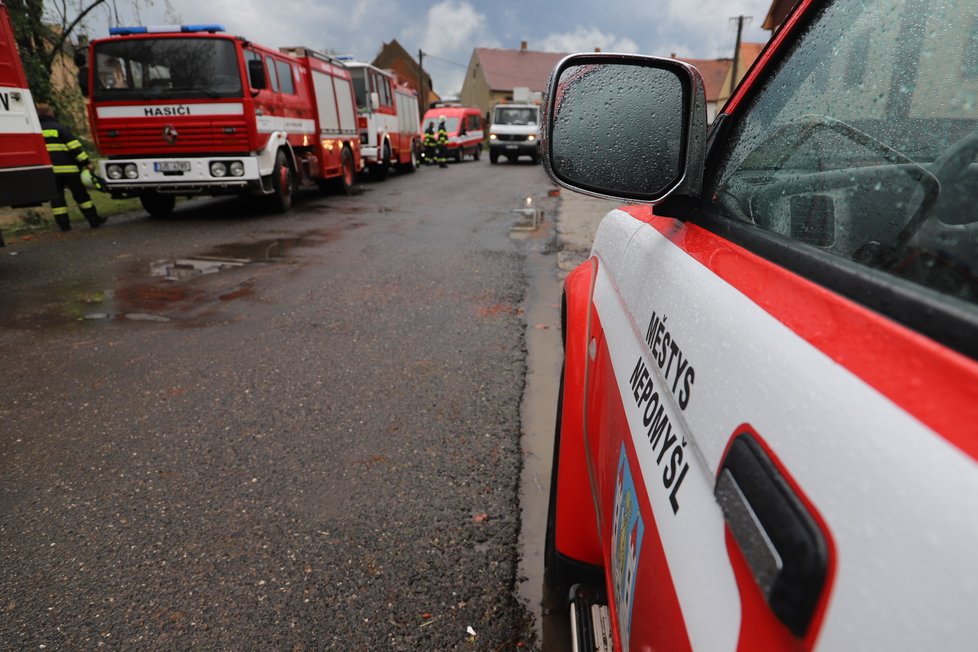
531 138
236 168
218 169
113 172
492 136
131 171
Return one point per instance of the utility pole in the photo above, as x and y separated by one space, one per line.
422 96
736 58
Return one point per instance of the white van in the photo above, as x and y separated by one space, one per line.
515 132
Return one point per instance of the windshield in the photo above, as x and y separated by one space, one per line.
515 116
451 124
166 68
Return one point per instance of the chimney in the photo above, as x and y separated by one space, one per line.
522 46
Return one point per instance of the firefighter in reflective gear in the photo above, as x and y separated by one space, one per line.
68 159
430 141
442 155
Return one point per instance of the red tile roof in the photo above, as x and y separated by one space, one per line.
749 53
714 71
506 69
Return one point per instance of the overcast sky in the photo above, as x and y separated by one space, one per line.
448 30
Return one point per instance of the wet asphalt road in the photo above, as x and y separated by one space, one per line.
314 446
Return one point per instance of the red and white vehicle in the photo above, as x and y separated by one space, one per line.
463 125
768 429
25 168
188 110
390 128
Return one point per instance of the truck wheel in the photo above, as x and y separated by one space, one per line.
378 171
157 205
412 163
477 154
493 157
347 174
280 201
459 154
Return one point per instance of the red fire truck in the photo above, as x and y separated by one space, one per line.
188 110
390 128
25 169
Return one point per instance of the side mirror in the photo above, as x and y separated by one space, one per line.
374 100
626 127
256 75
81 59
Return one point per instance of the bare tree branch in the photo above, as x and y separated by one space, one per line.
66 31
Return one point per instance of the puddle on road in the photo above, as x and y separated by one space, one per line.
233 255
168 292
184 269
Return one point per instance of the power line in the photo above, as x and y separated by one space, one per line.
454 63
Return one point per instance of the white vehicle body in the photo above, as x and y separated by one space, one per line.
515 131
390 126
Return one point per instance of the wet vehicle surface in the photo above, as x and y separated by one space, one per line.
767 423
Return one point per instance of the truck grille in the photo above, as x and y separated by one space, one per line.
511 137
129 138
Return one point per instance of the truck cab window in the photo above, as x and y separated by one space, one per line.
156 68
285 77
272 76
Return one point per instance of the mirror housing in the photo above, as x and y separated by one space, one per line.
256 75
626 127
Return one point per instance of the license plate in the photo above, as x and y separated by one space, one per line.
172 166
512 146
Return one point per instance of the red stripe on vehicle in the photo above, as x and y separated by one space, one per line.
932 383
657 618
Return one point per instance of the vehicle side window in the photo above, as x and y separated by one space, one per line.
250 55
383 89
285 77
863 142
272 77
474 122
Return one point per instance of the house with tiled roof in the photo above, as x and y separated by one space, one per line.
394 57
745 59
493 73
777 13
714 73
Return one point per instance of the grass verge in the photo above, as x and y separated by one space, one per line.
20 221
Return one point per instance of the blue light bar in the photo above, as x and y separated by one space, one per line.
163 29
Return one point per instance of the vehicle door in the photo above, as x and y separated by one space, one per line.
384 113
839 293
475 127
785 384
267 101
297 113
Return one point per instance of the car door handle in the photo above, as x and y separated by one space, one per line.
786 550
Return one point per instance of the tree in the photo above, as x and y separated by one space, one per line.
33 41
42 42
